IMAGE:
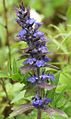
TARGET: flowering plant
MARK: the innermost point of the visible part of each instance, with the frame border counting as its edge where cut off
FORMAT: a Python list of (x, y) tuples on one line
[(37, 59)]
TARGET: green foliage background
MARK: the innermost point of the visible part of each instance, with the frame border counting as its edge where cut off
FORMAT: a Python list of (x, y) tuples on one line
[(57, 28)]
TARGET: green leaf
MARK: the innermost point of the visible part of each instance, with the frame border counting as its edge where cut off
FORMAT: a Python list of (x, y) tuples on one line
[(65, 79), (1, 117), (48, 10), (29, 88), (67, 108), (57, 3), (14, 67), (61, 102), (4, 75), (69, 14), (35, 4), (16, 76), (18, 96)]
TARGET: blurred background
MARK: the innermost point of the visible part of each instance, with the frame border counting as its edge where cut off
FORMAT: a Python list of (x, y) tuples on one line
[(56, 18)]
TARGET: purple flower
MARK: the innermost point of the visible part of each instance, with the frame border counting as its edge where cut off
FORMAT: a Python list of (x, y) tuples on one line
[(43, 38), (32, 79), (44, 76), (36, 52), (47, 76), (46, 59), (40, 63), (38, 34), (43, 49), (46, 100), (30, 21), (21, 33), (37, 25), (30, 61), (51, 76), (39, 102), (39, 43)]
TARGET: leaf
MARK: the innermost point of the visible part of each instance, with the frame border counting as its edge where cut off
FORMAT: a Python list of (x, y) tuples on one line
[(68, 14), (29, 88), (4, 75), (26, 68), (52, 93), (25, 50), (51, 66), (52, 111), (67, 108), (35, 4), (59, 3), (16, 76), (65, 79), (14, 67), (1, 117), (18, 97), (46, 85), (23, 56), (18, 86), (21, 109), (61, 102)]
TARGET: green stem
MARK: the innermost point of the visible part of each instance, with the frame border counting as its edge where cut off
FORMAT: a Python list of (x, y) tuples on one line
[(7, 32), (4, 88), (6, 22)]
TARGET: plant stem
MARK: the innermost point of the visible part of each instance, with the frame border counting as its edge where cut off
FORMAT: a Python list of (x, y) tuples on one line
[(38, 74), (4, 88), (39, 93), (39, 114), (6, 22), (7, 32)]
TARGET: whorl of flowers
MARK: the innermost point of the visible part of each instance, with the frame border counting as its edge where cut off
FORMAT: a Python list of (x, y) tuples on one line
[(36, 52)]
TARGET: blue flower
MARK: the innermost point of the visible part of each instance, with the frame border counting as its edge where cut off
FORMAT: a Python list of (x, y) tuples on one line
[(47, 76), (38, 34), (37, 25), (37, 102), (46, 100), (46, 59), (43, 49), (43, 76), (43, 38), (36, 52), (30, 21), (40, 63), (51, 76), (33, 79), (30, 61), (18, 21), (21, 33)]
